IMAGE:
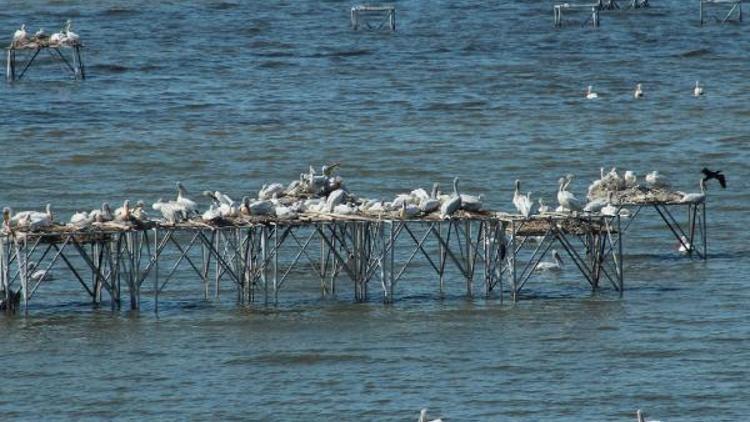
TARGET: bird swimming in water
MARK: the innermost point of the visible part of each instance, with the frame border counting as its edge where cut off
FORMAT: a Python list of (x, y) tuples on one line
[(423, 417), (638, 91), (590, 94), (555, 265), (708, 175), (698, 90)]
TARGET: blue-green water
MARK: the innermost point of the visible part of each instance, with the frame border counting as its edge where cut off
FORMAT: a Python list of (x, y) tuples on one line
[(231, 95)]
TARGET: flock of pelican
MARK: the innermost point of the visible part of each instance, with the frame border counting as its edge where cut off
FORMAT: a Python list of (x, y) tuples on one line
[(638, 93), (64, 37), (324, 193)]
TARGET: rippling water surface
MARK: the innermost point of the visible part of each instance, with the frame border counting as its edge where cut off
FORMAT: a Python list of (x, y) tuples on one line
[(230, 95)]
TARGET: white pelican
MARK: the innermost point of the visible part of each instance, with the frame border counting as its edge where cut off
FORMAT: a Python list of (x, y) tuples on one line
[(630, 179), (542, 208), (171, 211), (81, 219), (419, 195), (423, 417), (590, 94), (522, 202), (555, 265), (42, 275), (684, 246), (267, 192), (430, 204), (656, 180), (327, 170), (189, 206), (71, 38), (404, 198), (698, 90), (695, 198), (139, 212), (596, 204), (33, 219), (609, 210), (451, 205), (640, 418), (212, 213), (40, 33), (408, 211), (123, 213), (638, 91), (262, 208), (282, 211), (335, 198), (566, 199), (20, 36)]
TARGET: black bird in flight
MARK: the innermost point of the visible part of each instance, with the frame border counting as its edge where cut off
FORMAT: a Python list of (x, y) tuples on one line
[(708, 175)]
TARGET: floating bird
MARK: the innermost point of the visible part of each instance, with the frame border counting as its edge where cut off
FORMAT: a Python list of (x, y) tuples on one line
[(555, 265), (708, 175), (522, 202), (656, 180), (20, 36), (423, 417), (640, 418), (42, 275), (590, 94), (638, 91), (451, 205), (695, 198), (566, 199), (698, 90), (683, 245)]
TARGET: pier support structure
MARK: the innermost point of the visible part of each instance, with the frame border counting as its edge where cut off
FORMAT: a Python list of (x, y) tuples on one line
[(735, 10), (74, 63), (385, 16)]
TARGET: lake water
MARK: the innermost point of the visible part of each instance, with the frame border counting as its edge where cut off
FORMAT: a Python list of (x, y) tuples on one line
[(230, 95)]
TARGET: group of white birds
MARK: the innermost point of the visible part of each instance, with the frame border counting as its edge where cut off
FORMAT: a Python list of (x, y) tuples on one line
[(64, 37), (312, 193), (606, 194), (638, 92), (324, 192)]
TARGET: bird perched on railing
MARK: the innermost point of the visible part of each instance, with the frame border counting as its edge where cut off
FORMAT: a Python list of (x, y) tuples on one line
[(708, 175)]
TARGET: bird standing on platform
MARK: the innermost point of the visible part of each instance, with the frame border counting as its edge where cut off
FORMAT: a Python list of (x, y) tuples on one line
[(695, 198), (566, 199), (630, 179), (189, 206), (656, 180), (590, 94), (71, 38), (522, 202), (452, 204), (698, 90), (638, 92), (542, 208), (708, 175), (20, 36)]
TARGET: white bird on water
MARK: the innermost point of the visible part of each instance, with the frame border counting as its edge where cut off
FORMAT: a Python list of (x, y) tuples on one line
[(698, 90), (522, 202), (640, 418), (638, 91), (452, 204), (590, 94), (684, 246), (555, 265), (423, 417)]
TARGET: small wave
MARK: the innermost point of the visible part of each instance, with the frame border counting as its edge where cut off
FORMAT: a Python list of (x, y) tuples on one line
[(109, 68), (223, 5), (273, 64), (118, 11), (302, 359), (345, 53), (696, 53), (466, 105)]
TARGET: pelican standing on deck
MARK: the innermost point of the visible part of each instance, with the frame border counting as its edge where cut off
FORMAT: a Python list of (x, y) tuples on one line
[(522, 202), (566, 199), (182, 200), (695, 198), (20, 36), (451, 205)]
